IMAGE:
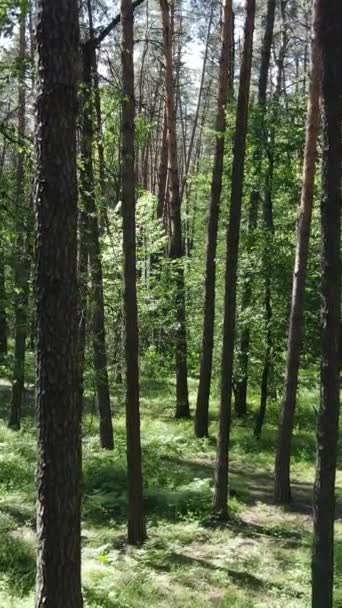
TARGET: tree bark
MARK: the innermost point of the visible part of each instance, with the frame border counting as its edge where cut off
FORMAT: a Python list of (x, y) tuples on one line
[(233, 235), (244, 340), (58, 413), (176, 252), (202, 406), (282, 489), (136, 524), (329, 33), (95, 263)]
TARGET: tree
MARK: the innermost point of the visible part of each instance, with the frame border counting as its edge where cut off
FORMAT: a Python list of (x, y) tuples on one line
[(176, 249), (261, 137), (22, 261), (282, 489), (58, 412), (91, 233), (329, 34), (233, 234), (202, 406), (136, 524)]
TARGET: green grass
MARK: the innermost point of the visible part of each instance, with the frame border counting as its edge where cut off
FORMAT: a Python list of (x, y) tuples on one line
[(261, 559)]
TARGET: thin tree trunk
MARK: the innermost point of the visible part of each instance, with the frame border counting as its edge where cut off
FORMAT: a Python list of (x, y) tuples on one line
[(202, 406), (58, 413), (22, 263), (282, 489), (267, 271), (175, 225), (244, 341), (162, 172), (329, 26), (3, 312), (199, 100), (136, 524), (95, 263), (233, 235)]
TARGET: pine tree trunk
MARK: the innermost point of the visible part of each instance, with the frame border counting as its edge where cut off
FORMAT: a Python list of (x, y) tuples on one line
[(3, 315), (202, 406), (162, 172), (58, 414), (244, 341), (136, 524), (175, 225), (233, 235), (282, 489), (22, 263), (95, 262), (329, 26)]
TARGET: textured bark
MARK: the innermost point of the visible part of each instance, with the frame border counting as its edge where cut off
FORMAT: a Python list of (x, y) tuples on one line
[(174, 223), (202, 406), (58, 414), (282, 490), (244, 341), (22, 262), (95, 262), (329, 27), (136, 524), (233, 235)]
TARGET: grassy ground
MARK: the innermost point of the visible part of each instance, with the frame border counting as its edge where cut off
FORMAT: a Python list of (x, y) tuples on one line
[(260, 560)]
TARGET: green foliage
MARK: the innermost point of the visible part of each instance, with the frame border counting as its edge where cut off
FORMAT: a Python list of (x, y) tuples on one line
[(261, 558)]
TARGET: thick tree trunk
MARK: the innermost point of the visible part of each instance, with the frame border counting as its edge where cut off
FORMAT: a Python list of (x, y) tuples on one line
[(136, 524), (329, 31), (22, 263), (233, 235), (202, 406), (175, 224), (95, 263), (58, 414), (244, 341), (282, 490)]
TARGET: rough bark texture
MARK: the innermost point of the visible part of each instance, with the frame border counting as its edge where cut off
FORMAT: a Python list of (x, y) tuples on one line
[(202, 406), (244, 341), (58, 414), (22, 264), (282, 490), (329, 33), (233, 234), (175, 224), (136, 524), (95, 262)]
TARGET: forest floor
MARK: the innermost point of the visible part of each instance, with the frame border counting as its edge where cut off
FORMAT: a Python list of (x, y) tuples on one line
[(261, 559)]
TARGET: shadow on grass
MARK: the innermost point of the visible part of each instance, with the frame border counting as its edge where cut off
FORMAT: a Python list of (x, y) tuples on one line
[(17, 562)]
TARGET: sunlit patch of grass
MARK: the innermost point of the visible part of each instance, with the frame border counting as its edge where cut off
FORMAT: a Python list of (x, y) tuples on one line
[(260, 559)]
